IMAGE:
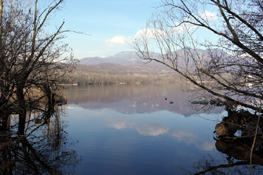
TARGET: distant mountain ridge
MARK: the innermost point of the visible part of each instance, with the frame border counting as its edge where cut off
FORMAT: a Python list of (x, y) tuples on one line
[(131, 57), (123, 58)]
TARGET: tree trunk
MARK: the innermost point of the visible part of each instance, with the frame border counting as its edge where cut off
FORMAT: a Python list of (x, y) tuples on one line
[(226, 129), (5, 122), (22, 122), (21, 110)]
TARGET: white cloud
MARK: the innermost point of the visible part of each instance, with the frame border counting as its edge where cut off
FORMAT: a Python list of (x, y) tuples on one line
[(119, 40), (149, 33), (180, 29), (206, 15), (152, 130)]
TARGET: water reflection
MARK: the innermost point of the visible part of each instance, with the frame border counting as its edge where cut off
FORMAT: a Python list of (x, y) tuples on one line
[(236, 140), (46, 148), (137, 99), (135, 130), (121, 124), (184, 136), (231, 166), (152, 129)]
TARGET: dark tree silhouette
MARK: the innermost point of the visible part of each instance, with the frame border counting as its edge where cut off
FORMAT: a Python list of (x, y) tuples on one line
[(32, 66), (46, 149)]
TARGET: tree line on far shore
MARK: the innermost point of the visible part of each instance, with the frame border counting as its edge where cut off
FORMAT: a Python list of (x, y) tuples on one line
[(101, 75)]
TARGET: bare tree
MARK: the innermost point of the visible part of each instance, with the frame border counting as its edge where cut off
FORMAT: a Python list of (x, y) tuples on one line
[(31, 56), (230, 69)]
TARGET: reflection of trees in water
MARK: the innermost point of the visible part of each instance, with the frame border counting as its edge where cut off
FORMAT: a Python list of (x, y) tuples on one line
[(136, 99), (242, 127), (242, 151), (44, 149), (212, 166), (237, 160), (117, 93)]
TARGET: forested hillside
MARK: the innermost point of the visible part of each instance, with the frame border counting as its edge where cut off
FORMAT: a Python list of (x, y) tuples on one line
[(108, 73), (126, 68)]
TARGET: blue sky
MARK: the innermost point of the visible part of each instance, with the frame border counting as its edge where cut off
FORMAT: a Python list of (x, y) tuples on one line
[(109, 23)]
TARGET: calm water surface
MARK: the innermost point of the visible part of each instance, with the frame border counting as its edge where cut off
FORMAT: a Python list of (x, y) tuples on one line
[(134, 130)]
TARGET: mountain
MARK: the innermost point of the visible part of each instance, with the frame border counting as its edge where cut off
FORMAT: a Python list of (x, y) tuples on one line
[(131, 58), (123, 58)]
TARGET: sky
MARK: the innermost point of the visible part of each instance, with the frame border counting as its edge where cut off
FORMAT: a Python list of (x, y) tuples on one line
[(109, 24)]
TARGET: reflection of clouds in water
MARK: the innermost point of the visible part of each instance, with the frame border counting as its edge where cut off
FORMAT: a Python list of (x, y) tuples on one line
[(184, 136), (152, 129), (121, 125), (156, 130), (208, 146)]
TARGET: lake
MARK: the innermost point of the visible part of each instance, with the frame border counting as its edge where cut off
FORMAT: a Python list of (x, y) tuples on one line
[(131, 130), (145, 130)]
